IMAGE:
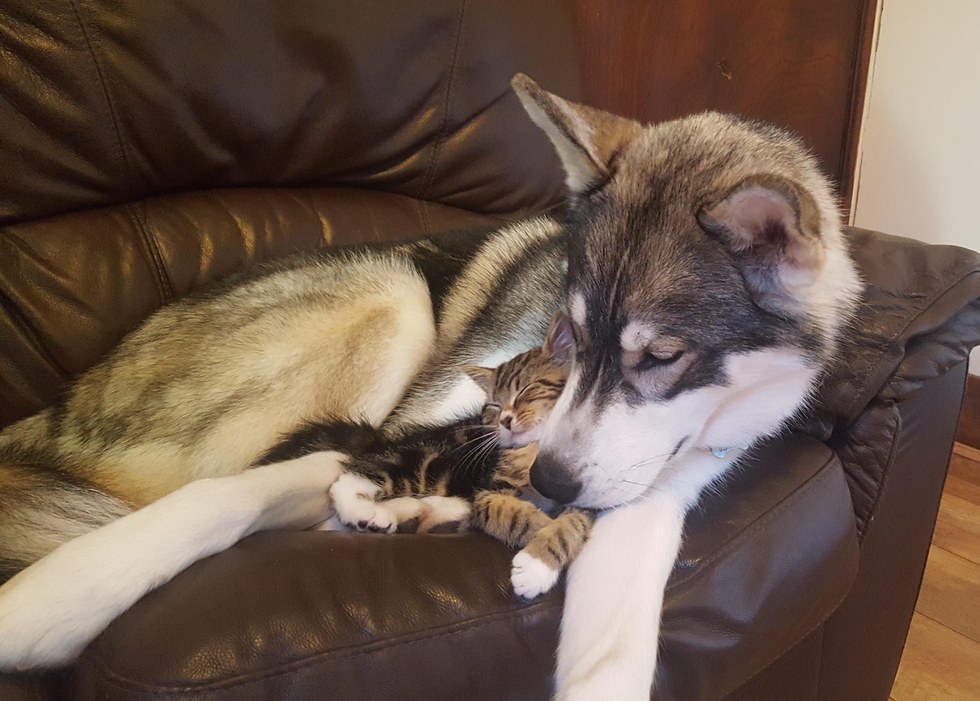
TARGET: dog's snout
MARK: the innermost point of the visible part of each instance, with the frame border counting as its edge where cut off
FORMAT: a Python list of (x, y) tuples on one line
[(552, 480)]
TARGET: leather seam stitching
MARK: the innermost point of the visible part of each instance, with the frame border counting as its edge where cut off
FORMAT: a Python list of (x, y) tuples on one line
[(106, 94), (152, 251), (443, 132)]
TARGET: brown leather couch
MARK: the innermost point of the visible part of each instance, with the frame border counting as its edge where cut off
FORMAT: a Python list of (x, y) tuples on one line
[(147, 148)]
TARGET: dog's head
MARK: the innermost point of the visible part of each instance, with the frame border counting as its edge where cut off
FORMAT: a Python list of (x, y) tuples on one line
[(708, 284)]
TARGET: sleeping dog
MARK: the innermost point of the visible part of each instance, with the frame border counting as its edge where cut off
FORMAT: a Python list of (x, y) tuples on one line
[(706, 280)]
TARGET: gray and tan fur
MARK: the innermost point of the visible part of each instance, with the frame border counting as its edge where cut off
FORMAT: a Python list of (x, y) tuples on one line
[(708, 283), (188, 394)]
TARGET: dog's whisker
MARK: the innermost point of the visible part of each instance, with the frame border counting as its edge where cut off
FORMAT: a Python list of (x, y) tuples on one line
[(642, 495), (643, 463)]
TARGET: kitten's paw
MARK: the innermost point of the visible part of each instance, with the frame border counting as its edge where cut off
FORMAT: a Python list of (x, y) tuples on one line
[(375, 518), (372, 517), (444, 514), (408, 512), (530, 576), (353, 501)]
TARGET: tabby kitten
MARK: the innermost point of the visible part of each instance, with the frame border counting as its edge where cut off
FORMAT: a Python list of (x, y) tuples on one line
[(471, 473)]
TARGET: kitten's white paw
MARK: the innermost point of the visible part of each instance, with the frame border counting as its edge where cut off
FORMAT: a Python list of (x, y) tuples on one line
[(353, 501), (531, 577), (444, 514), (370, 516)]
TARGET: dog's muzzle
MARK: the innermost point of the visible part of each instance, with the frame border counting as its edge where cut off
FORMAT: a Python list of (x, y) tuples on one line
[(553, 481)]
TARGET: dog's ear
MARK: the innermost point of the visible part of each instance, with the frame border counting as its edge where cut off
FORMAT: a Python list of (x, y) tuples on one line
[(558, 341), (586, 139), (772, 226)]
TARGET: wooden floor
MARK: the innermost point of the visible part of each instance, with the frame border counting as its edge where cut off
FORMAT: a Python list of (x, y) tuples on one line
[(942, 654)]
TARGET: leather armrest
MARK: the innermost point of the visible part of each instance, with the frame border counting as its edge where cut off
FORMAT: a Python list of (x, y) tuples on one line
[(327, 615), (768, 556)]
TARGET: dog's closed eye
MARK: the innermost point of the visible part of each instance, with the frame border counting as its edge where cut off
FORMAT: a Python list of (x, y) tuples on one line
[(657, 359), (653, 370)]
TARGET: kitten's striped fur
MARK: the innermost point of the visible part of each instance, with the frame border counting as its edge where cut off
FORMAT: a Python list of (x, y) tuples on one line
[(484, 459)]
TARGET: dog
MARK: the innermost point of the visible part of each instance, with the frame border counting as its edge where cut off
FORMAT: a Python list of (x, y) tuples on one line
[(707, 283), (709, 287)]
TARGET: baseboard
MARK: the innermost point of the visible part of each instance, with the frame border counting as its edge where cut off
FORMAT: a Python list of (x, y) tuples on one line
[(968, 431)]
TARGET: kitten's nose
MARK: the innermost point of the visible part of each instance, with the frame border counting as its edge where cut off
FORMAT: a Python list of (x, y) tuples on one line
[(506, 420), (552, 480)]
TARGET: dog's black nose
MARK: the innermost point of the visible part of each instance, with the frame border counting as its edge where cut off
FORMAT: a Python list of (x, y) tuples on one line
[(552, 480)]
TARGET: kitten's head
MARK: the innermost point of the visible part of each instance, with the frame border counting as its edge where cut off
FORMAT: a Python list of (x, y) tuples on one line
[(522, 391)]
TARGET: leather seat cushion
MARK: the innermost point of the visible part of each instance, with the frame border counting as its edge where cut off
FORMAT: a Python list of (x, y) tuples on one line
[(333, 615)]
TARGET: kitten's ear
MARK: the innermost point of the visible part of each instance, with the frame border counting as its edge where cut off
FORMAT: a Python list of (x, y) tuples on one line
[(772, 226), (483, 377), (558, 342), (585, 138)]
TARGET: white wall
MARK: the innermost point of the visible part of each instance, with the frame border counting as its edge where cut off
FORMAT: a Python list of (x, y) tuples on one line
[(919, 172)]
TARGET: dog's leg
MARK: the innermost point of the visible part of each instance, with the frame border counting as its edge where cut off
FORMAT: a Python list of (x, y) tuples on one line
[(54, 608), (611, 622)]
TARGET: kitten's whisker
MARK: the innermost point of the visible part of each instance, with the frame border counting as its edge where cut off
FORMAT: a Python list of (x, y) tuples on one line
[(463, 460), (490, 432), (472, 441), (485, 452), (471, 457)]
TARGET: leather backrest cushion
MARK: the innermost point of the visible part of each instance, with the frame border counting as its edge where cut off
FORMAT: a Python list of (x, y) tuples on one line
[(71, 286), (107, 101), (334, 122)]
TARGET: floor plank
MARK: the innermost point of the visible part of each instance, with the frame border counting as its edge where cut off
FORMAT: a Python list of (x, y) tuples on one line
[(949, 593), (938, 664), (941, 659), (958, 523), (968, 430), (964, 479), (968, 452)]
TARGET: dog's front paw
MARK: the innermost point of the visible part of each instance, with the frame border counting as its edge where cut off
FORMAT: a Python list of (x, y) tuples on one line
[(530, 576)]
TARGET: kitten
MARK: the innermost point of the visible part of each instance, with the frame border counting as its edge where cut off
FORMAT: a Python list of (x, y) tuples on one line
[(470, 473)]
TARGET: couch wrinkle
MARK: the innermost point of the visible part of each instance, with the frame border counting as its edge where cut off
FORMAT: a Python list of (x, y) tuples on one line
[(896, 342), (345, 652), (693, 571), (866, 451)]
